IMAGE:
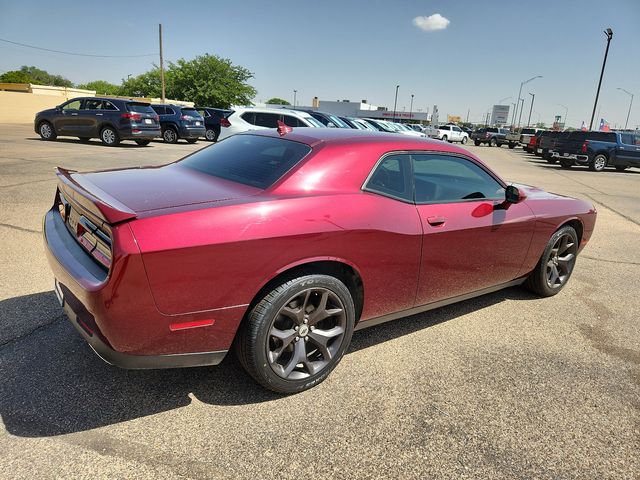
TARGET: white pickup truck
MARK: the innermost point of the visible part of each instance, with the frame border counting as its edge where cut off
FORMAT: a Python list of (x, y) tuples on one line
[(521, 137), (450, 133)]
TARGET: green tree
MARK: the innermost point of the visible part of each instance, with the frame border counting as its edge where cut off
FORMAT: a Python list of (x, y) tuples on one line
[(145, 85), (15, 76), (277, 101), (102, 87), (42, 77), (209, 80)]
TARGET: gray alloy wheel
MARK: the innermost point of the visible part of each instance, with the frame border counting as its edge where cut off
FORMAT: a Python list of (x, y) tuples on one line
[(296, 334), (109, 137), (493, 142), (46, 131), (598, 163), (210, 135), (170, 135), (464, 140), (556, 264)]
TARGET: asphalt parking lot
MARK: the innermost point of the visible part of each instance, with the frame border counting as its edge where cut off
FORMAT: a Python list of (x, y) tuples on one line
[(503, 386)]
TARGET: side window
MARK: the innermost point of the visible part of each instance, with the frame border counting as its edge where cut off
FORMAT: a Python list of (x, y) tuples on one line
[(457, 129), (249, 117), (92, 105), (204, 113), (444, 127), (159, 110), (269, 120), (445, 179), (391, 177), (74, 105), (627, 138), (108, 106), (292, 121), (169, 111)]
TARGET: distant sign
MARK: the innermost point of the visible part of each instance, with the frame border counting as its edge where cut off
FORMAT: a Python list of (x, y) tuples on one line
[(434, 116), (453, 118), (500, 114)]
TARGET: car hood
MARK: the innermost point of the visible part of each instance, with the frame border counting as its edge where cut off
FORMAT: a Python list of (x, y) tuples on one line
[(153, 188)]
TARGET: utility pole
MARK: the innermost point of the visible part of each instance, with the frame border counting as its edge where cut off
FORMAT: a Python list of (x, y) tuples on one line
[(521, 107), (411, 108), (630, 103), (295, 96), (395, 103), (609, 33), (533, 97), (162, 98), (468, 112)]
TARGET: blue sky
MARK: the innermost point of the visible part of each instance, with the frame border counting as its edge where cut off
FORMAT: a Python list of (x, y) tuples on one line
[(358, 49)]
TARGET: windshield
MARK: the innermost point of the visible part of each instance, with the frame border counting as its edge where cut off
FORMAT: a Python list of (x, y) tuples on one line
[(337, 122), (140, 108), (191, 112), (248, 159), (313, 122)]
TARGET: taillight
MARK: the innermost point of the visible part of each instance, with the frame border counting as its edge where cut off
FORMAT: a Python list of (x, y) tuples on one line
[(487, 135), (63, 207), (584, 146), (94, 241), (224, 122), (132, 116), (187, 117), (156, 117)]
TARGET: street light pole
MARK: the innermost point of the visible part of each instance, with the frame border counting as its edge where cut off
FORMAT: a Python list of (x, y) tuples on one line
[(411, 108), (630, 103), (609, 33), (521, 107), (533, 97), (295, 97), (566, 114), (395, 103), (518, 101)]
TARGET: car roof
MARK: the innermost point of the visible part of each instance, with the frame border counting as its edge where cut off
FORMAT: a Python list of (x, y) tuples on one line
[(271, 110)]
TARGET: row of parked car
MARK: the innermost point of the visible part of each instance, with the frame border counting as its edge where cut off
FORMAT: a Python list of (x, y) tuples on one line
[(595, 149), (113, 120)]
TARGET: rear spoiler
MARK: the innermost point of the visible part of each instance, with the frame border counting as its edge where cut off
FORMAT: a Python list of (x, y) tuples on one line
[(76, 187)]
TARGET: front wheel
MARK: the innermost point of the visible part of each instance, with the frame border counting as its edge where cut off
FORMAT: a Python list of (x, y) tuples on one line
[(297, 333), (210, 135), (556, 264), (46, 131), (444, 138), (598, 163), (493, 142), (109, 137), (464, 140), (476, 143)]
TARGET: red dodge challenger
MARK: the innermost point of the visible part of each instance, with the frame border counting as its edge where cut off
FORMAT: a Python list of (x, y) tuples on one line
[(282, 243)]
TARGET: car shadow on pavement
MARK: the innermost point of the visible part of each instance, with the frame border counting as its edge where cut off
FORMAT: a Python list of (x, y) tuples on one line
[(92, 142), (53, 384)]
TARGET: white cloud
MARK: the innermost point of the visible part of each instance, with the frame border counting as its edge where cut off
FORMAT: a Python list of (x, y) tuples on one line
[(432, 22)]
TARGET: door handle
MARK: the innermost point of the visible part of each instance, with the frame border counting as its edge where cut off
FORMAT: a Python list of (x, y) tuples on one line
[(99, 114), (436, 221), (74, 114)]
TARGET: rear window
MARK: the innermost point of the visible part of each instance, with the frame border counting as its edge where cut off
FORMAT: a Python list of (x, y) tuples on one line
[(492, 130), (528, 131), (190, 111), (140, 108), (248, 159)]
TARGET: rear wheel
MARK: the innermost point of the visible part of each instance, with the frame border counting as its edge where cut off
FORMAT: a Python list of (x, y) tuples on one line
[(493, 142), (621, 168), (564, 163), (170, 135), (476, 143), (109, 137), (297, 333), (143, 143), (210, 135), (556, 264), (598, 163), (46, 131), (444, 138), (512, 145)]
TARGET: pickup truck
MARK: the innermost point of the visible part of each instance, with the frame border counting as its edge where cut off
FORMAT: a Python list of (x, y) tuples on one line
[(492, 136), (547, 142), (521, 137), (451, 133), (599, 150)]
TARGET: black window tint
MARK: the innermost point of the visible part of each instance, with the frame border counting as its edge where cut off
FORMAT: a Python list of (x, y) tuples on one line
[(249, 117), (441, 179), (143, 108), (248, 159), (192, 112), (626, 138), (390, 177), (159, 110), (292, 121), (92, 104), (108, 106), (74, 105), (269, 120)]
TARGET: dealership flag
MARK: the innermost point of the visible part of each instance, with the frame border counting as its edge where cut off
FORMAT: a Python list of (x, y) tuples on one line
[(604, 126), (583, 127)]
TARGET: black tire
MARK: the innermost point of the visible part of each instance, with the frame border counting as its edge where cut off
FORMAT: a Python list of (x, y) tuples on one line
[(598, 163), (109, 137), (539, 281), (259, 351), (512, 145), (551, 160), (84, 139), (621, 168), (191, 140), (210, 135), (476, 143), (143, 143), (46, 131), (170, 135), (564, 163), (464, 140), (493, 142), (444, 138)]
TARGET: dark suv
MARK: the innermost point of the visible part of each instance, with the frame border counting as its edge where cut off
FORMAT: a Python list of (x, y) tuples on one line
[(109, 119), (327, 119), (213, 119), (180, 122)]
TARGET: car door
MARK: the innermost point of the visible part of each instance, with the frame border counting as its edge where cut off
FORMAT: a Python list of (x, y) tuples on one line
[(629, 150), (89, 116), (472, 239), (457, 131), (66, 123)]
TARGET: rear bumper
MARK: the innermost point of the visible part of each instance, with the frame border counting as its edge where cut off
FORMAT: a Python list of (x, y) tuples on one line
[(191, 132), (570, 156), (141, 134)]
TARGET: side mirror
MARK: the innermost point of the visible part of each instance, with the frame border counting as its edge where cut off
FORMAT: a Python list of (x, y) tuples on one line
[(512, 194), (58, 108)]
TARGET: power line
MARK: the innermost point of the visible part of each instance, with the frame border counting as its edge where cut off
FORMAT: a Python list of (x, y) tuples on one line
[(77, 54)]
